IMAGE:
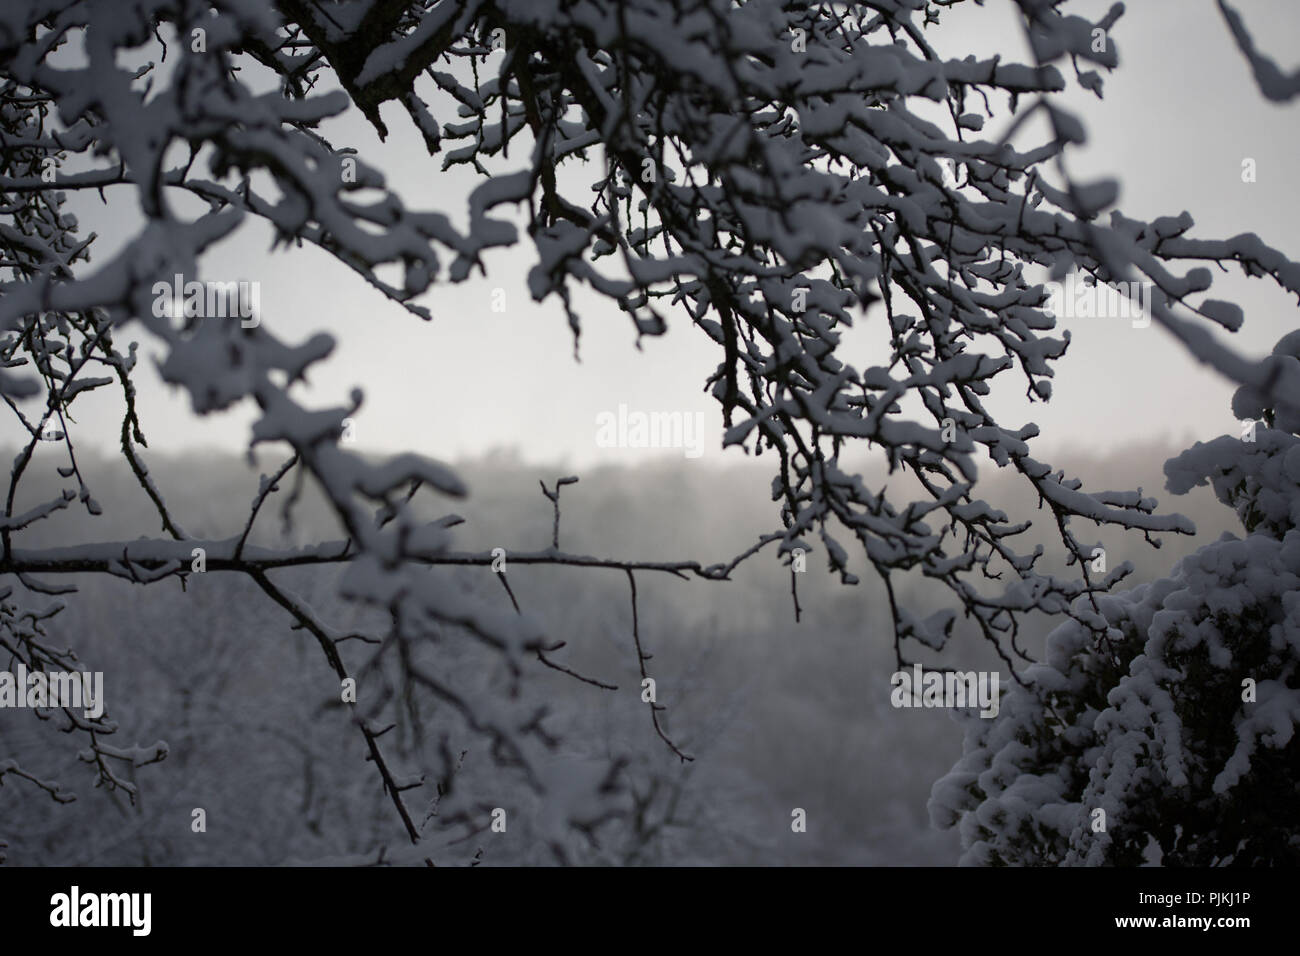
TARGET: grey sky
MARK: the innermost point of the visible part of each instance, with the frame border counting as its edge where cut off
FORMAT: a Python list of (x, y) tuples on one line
[(1178, 118)]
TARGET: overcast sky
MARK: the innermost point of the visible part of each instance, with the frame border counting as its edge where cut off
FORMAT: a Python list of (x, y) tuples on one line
[(1179, 116)]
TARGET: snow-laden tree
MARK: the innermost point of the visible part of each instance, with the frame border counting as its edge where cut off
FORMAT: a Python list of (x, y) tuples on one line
[(1173, 736), (770, 172)]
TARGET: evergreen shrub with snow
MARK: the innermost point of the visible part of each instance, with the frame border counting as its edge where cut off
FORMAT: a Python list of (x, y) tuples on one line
[(1179, 723)]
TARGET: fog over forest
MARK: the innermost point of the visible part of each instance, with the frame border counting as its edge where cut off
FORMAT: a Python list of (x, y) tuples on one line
[(777, 714)]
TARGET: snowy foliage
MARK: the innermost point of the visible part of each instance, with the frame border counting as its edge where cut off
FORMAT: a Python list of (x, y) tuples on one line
[(773, 172), (1180, 722)]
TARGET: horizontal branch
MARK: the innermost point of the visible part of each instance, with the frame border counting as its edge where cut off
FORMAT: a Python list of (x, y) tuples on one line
[(121, 557)]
